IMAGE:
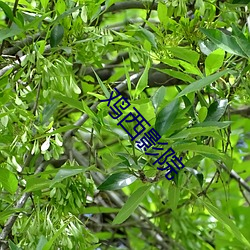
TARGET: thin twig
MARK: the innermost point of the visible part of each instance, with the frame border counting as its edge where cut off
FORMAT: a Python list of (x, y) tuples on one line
[(15, 7), (148, 14), (244, 195), (204, 192)]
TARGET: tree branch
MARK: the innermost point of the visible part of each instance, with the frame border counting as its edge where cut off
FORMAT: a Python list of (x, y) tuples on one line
[(21, 44), (236, 177), (243, 111), (16, 63)]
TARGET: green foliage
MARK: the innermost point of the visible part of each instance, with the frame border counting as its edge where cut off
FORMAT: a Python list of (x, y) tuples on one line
[(216, 110), (117, 181), (132, 203), (197, 85), (56, 35), (8, 180), (166, 117)]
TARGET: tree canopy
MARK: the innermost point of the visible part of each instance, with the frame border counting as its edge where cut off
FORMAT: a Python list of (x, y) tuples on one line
[(73, 171)]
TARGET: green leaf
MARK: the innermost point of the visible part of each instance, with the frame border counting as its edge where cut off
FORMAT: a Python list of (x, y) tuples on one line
[(49, 244), (193, 132), (36, 21), (88, 111), (241, 40), (223, 41), (132, 203), (127, 77), (202, 100), (207, 46), (8, 180), (68, 12), (9, 32), (197, 85), (117, 181), (189, 68), (104, 89), (41, 243), (198, 175), (7, 10), (177, 74), (158, 97), (108, 3), (9, 211), (56, 131), (194, 161), (173, 196), (44, 3), (216, 110), (13, 246), (107, 236), (219, 125), (188, 105), (19, 20), (162, 12), (214, 61), (98, 210), (34, 183), (147, 35), (70, 101), (174, 63), (244, 45), (211, 153), (166, 117), (66, 172), (49, 110), (206, 151), (56, 35), (238, 33), (186, 54), (202, 114), (227, 223), (60, 7), (143, 81)]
